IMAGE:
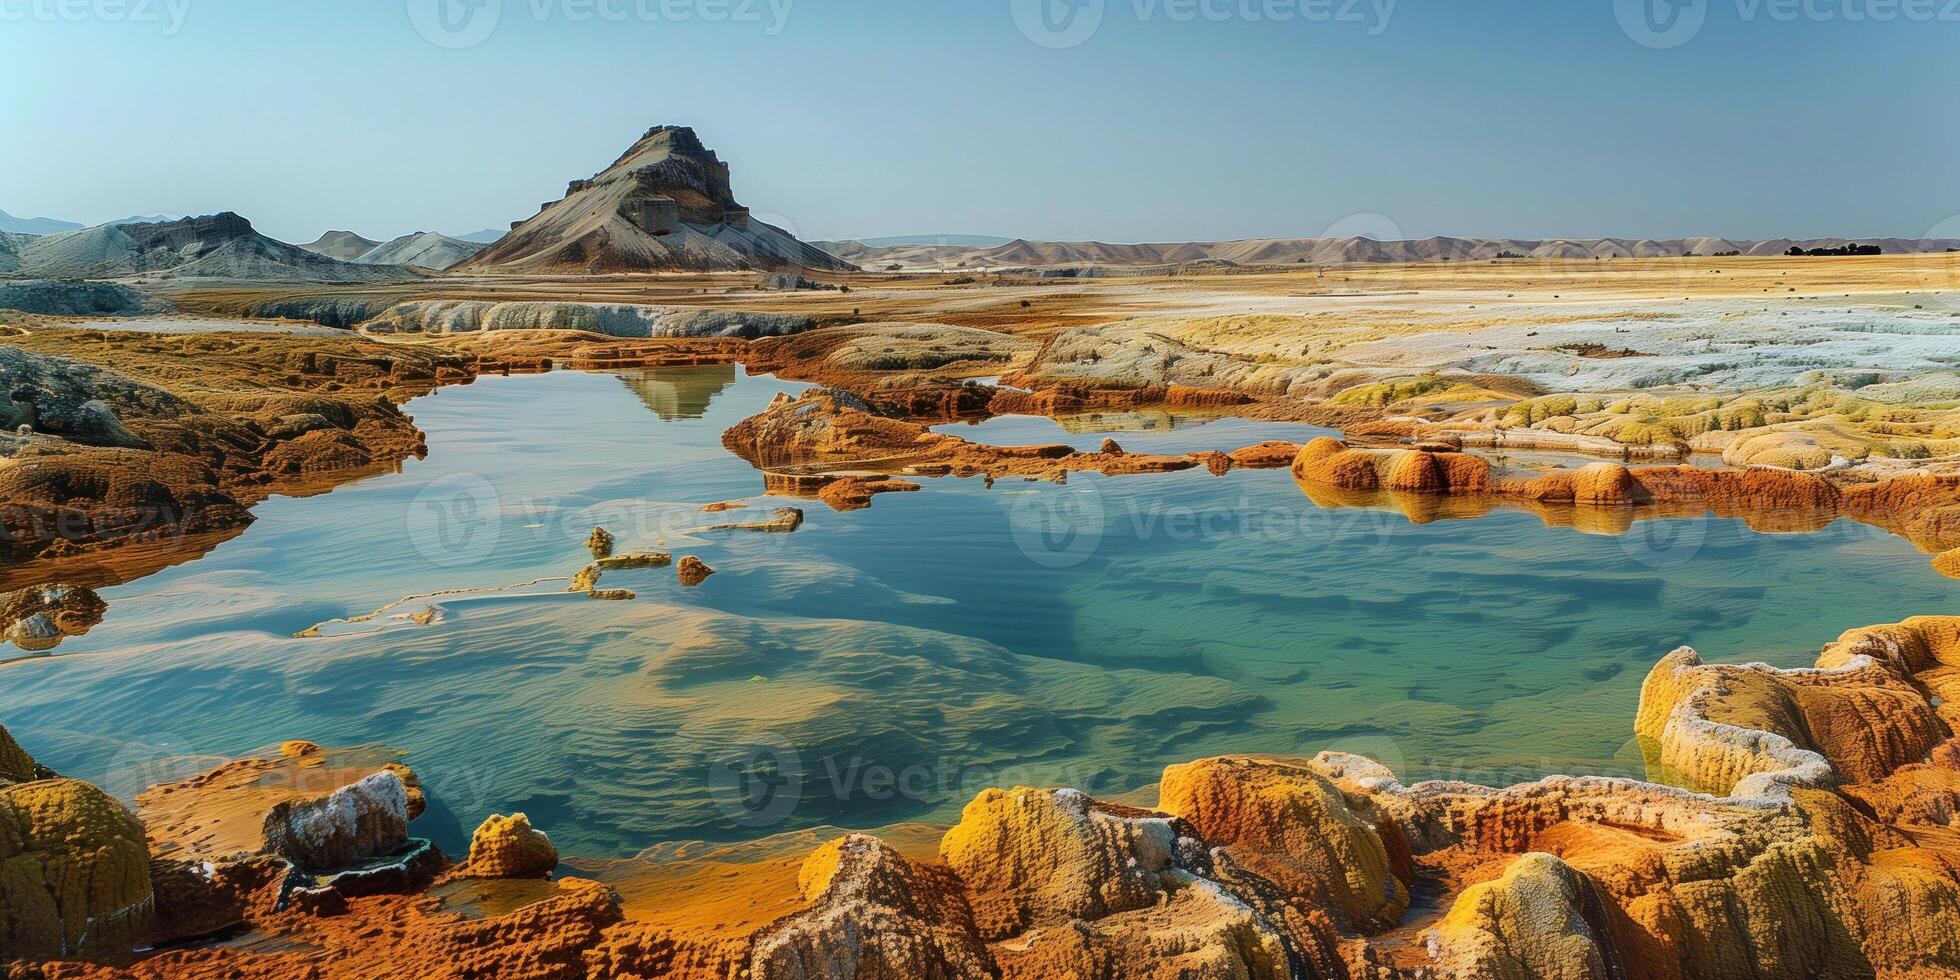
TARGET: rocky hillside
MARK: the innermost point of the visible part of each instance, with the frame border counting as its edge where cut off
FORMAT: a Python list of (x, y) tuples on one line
[(343, 245), (220, 246), (664, 205), (423, 249)]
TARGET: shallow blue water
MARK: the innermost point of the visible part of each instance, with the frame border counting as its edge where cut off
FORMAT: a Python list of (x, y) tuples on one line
[(884, 665)]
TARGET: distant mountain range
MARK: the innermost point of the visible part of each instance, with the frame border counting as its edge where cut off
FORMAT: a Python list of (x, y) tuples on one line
[(34, 226), (422, 249), (220, 246), (55, 226), (964, 241), (1021, 253)]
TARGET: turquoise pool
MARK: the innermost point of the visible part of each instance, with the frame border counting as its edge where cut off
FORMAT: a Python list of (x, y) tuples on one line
[(884, 665)]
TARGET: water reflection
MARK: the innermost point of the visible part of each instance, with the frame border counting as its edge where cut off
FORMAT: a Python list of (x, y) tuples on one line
[(675, 393), (1141, 430)]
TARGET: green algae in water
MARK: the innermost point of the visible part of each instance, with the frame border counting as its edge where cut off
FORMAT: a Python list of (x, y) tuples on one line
[(885, 665)]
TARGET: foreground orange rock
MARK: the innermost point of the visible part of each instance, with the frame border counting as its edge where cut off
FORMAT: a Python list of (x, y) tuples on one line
[(1800, 823), (74, 873), (509, 847)]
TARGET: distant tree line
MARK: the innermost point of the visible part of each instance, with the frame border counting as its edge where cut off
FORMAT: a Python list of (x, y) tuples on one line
[(1852, 248)]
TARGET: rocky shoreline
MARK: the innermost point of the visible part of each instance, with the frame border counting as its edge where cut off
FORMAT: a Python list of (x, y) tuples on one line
[(1798, 827), (109, 463)]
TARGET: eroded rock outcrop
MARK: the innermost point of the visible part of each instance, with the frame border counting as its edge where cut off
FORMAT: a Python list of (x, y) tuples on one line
[(827, 437), (873, 915), (216, 423), (509, 847), (1923, 507), (1540, 918), (1034, 858), (74, 873), (693, 571), (352, 824), (1295, 828), (600, 543)]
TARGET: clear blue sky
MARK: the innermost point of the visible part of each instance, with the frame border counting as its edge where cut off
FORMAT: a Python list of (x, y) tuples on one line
[(881, 117)]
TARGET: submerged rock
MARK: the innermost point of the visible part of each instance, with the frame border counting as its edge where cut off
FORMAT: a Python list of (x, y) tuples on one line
[(855, 493), (782, 520), (694, 571), (637, 560), (600, 543)]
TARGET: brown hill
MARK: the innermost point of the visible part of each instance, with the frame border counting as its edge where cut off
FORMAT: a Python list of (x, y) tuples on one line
[(665, 204), (343, 245)]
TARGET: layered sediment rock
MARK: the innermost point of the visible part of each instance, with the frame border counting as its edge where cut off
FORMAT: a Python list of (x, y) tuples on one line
[(1923, 507), (624, 320), (215, 424), (804, 444), (1293, 827), (1540, 918), (872, 914)]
